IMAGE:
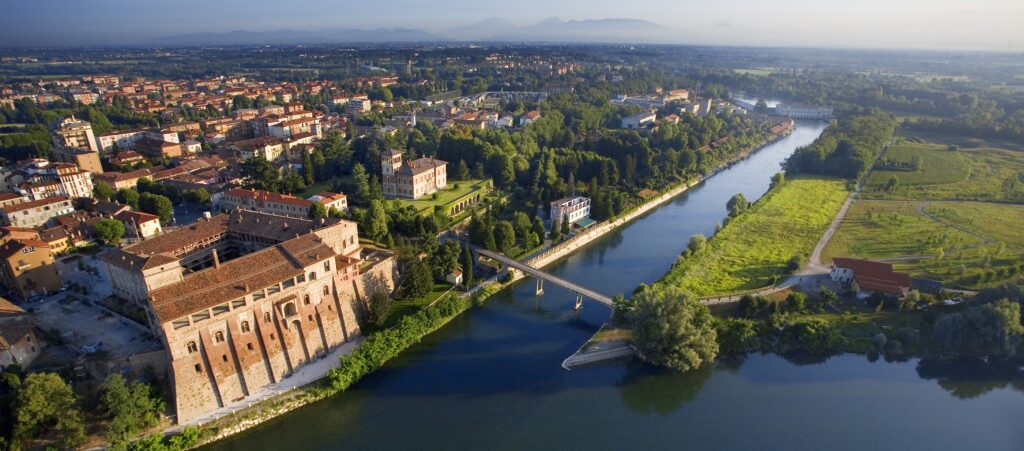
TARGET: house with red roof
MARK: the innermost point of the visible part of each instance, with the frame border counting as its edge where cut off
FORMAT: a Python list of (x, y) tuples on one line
[(870, 276)]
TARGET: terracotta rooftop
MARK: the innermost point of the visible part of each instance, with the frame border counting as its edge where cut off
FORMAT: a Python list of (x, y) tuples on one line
[(421, 165), (34, 204), (171, 246), (875, 276), (238, 277)]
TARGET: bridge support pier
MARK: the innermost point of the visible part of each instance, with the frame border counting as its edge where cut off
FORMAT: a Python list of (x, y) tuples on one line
[(540, 286), (579, 301)]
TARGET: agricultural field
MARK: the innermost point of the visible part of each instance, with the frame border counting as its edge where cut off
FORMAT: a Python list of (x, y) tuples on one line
[(965, 244), (938, 173), (754, 248)]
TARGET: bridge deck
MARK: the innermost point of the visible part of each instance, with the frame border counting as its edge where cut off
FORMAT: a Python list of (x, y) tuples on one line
[(586, 292)]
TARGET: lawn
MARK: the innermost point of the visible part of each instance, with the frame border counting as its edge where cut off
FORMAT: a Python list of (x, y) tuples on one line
[(403, 307), (965, 142), (449, 196), (975, 174), (965, 244), (753, 249)]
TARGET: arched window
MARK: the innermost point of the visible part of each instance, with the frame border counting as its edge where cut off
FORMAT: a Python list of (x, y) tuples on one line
[(191, 346), (218, 337), (327, 290), (245, 326), (305, 299), (289, 309), (312, 276), (266, 317)]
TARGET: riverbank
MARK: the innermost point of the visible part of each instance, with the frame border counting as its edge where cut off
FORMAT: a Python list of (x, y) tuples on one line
[(409, 332)]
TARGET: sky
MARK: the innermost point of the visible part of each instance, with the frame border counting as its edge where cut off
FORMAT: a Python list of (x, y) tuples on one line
[(916, 24)]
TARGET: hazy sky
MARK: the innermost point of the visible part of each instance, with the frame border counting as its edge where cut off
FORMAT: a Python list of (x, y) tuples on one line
[(961, 24)]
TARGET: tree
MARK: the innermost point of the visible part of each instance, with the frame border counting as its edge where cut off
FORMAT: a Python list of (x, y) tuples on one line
[(523, 227), (128, 197), (672, 329), (777, 179), (378, 300), (565, 225), (462, 171), (198, 196), (556, 234), (360, 184), (467, 266), (45, 403), (158, 205), (376, 221), (504, 236), (892, 183), (131, 409), (737, 204), (989, 330), (110, 231), (538, 227), (317, 210), (261, 174), (796, 302), (445, 259), (697, 242), (417, 281), (102, 191)]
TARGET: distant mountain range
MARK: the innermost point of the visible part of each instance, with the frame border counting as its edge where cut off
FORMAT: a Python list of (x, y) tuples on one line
[(548, 30)]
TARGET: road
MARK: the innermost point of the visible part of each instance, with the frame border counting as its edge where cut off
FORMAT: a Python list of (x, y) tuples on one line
[(814, 264)]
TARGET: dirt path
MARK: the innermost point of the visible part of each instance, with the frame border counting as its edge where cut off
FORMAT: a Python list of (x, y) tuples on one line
[(814, 264)]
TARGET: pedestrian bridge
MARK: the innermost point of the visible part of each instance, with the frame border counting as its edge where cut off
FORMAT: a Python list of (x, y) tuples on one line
[(541, 276)]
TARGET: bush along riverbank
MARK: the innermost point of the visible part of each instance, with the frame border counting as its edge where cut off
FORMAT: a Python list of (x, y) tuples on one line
[(816, 326)]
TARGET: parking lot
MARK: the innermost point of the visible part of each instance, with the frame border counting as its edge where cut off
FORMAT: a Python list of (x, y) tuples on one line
[(76, 316)]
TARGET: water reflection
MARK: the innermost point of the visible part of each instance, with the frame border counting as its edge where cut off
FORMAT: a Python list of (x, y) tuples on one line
[(971, 378), (648, 390)]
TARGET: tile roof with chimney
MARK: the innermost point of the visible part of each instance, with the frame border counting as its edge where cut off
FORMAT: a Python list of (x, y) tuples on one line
[(875, 276)]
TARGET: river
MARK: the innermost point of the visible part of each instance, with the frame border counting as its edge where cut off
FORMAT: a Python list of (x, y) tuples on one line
[(491, 379)]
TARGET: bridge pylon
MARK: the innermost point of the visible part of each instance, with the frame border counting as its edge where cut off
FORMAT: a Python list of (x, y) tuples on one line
[(579, 301), (540, 286)]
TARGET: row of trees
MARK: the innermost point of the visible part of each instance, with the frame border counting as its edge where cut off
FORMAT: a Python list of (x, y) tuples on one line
[(42, 409), (846, 148)]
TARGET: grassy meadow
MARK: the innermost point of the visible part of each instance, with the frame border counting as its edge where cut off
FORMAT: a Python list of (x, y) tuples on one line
[(943, 174), (966, 244), (755, 247)]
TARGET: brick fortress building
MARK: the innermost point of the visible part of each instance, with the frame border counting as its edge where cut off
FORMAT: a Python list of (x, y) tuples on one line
[(243, 299)]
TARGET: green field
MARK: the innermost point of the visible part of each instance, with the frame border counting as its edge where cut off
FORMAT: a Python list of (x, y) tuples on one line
[(943, 174), (965, 142), (755, 247), (957, 243)]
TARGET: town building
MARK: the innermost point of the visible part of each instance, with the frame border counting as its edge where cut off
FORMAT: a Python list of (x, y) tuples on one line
[(870, 276), (139, 225), (87, 160), (265, 202), (575, 208), (638, 121), (529, 117), (19, 344), (337, 201), (412, 180), (35, 212), (245, 299), (27, 268), (71, 132), (37, 179)]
